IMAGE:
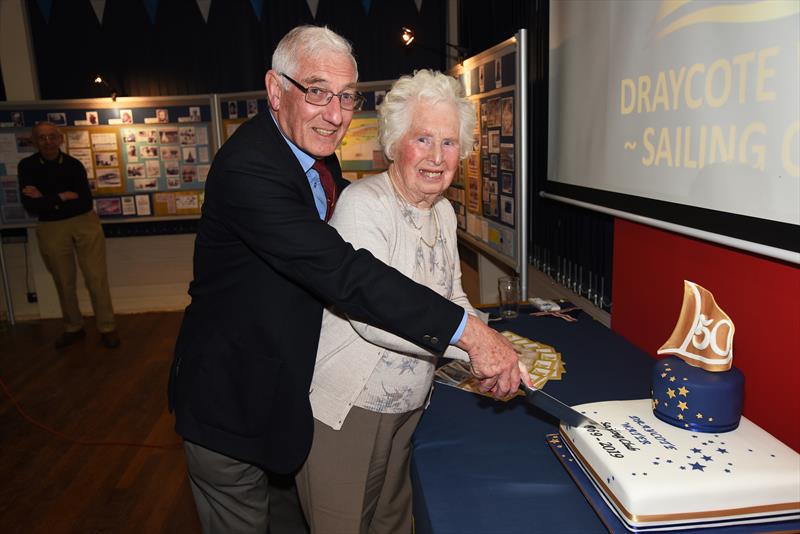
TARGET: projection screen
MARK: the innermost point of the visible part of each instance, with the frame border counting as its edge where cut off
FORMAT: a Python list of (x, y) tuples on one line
[(682, 111)]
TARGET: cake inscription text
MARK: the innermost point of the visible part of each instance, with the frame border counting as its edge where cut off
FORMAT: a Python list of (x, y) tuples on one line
[(653, 433)]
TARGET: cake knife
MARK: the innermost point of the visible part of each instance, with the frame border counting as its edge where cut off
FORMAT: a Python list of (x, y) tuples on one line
[(556, 408)]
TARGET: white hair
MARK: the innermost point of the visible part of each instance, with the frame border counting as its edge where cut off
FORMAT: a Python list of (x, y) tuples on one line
[(308, 42), (432, 87)]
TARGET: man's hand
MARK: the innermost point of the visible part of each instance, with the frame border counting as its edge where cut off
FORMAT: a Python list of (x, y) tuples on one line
[(31, 191), (68, 195), (494, 361)]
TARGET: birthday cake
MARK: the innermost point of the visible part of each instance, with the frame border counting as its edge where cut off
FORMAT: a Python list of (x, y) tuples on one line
[(686, 457), (655, 476)]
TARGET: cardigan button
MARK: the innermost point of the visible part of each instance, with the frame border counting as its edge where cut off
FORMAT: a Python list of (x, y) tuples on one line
[(435, 340)]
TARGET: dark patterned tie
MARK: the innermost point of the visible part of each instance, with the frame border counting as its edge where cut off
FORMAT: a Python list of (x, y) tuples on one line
[(328, 185)]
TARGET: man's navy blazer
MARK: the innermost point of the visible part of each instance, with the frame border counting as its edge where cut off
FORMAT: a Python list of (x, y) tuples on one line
[(264, 267)]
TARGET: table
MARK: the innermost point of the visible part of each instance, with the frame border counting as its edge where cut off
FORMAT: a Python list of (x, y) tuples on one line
[(482, 466)]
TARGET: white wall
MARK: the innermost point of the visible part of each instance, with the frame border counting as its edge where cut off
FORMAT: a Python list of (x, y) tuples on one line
[(149, 273)]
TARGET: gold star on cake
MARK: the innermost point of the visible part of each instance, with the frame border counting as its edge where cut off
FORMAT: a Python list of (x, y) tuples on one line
[(699, 415), (654, 403), (683, 391), (680, 416), (682, 405), (663, 375), (671, 393), (672, 379), (669, 368), (710, 419)]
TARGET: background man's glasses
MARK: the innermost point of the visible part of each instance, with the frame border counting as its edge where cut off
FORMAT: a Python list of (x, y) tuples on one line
[(49, 137), (322, 97)]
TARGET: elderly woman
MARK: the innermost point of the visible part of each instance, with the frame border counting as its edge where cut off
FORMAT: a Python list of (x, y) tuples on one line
[(369, 386)]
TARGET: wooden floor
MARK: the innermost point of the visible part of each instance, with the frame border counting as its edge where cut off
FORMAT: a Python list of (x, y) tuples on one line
[(88, 392)]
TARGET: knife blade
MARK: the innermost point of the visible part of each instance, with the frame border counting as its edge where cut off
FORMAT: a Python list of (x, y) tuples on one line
[(556, 408)]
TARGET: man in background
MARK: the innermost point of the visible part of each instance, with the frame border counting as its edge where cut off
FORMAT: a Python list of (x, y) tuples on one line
[(265, 264), (54, 187)]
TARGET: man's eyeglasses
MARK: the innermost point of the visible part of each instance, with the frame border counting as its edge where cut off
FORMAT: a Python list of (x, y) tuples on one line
[(49, 137), (322, 97)]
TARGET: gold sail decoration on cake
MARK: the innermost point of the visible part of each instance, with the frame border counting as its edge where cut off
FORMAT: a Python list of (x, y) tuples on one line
[(703, 336)]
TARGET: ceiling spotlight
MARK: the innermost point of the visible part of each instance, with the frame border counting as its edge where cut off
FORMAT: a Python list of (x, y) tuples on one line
[(408, 36), (100, 81)]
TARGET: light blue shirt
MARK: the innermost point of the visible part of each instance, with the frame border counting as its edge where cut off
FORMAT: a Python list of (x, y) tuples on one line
[(306, 161), (321, 202)]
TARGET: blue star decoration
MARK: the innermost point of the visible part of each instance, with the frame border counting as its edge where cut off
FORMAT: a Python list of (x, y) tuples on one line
[(722, 451), (707, 458), (683, 467), (727, 470), (696, 450), (697, 467)]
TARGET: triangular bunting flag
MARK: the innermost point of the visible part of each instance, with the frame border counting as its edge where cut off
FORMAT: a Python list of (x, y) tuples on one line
[(151, 6), (366, 4), (99, 7), (419, 5), (258, 7), (204, 6), (312, 6), (45, 6)]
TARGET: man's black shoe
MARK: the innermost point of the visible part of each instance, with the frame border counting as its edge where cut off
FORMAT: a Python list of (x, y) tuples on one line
[(110, 340), (68, 338)]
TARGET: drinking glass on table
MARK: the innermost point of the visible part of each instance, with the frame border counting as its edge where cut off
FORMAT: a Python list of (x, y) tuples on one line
[(508, 287)]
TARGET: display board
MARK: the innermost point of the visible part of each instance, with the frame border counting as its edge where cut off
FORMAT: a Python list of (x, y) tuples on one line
[(490, 191), (144, 157)]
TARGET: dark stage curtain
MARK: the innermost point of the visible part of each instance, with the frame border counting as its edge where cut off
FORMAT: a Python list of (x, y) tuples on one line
[(183, 54)]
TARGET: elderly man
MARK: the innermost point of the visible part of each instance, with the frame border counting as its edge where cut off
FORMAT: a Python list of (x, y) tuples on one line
[(265, 264), (55, 188)]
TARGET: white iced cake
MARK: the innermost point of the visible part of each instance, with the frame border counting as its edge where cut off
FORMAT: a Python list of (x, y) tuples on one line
[(654, 474)]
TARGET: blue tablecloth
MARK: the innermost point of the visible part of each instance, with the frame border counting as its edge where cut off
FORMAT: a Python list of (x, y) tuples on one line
[(482, 466)]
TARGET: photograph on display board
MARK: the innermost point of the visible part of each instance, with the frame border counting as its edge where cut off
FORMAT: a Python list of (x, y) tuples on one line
[(494, 141), (507, 182), (187, 135), (162, 116), (143, 205), (135, 170), (168, 136), (149, 151), (507, 116), (126, 116), (507, 210), (194, 114), (493, 113), (108, 207), (128, 206), (108, 178), (77, 138), (131, 153), (152, 168), (506, 156), (58, 118), (170, 152), (145, 184), (252, 108)]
